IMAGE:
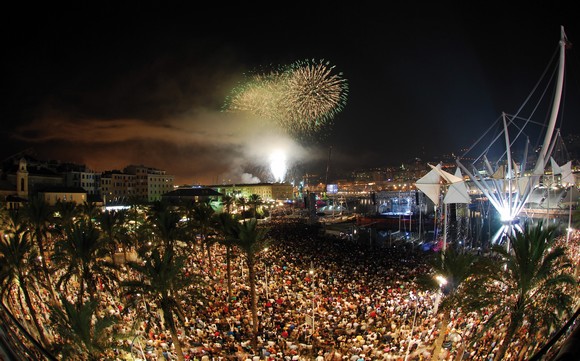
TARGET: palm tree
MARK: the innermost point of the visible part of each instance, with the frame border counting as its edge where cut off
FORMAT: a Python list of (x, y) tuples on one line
[(528, 283), (112, 224), (254, 200), (85, 336), (10, 221), (65, 213), (38, 216), (17, 260), (226, 224), (251, 239), (137, 228), (163, 282), (242, 201), (228, 201), (81, 254), (202, 216), (89, 210), (450, 270), (164, 223)]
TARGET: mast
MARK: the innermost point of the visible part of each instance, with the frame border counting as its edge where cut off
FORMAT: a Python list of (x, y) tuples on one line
[(327, 168), (542, 157), (509, 191), (419, 235), (509, 165)]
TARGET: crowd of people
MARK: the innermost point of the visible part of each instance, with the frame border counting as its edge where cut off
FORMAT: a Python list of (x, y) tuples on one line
[(319, 298)]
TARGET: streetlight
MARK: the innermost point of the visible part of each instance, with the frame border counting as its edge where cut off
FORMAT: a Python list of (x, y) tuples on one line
[(569, 231), (313, 304), (266, 263), (411, 298), (442, 282)]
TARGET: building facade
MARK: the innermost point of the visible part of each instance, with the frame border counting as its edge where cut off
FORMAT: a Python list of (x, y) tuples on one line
[(54, 195), (157, 185), (150, 183), (266, 191), (88, 180), (117, 186)]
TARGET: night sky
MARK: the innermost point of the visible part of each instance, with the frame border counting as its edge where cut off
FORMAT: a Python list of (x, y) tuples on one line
[(111, 85)]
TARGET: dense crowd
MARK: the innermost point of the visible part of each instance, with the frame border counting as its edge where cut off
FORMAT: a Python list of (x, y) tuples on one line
[(322, 298), (319, 298)]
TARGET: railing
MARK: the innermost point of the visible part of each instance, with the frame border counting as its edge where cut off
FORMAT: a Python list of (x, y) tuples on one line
[(569, 349), (16, 343)]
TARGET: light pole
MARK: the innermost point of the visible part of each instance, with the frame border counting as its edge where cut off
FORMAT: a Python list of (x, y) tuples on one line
[(266, 263), (313, 306), (267, 286), (442, 282), (140, 348), (411, 298), (313, 296)]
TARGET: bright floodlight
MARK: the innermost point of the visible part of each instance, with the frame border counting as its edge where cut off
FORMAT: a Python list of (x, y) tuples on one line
[(506, 214), (442, 280), (278, 165)]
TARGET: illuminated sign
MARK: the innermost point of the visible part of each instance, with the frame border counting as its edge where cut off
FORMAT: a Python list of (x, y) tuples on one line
[(332, 188)]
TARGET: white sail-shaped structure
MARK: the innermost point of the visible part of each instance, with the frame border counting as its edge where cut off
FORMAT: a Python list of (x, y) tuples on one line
[(567, 179), (430, 184), (435, 182), (507, 182), (457, 191)]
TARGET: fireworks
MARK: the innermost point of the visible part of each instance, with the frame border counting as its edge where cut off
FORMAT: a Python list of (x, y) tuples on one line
[(278, 166), (258, 95), (302, 98), (313, 95)]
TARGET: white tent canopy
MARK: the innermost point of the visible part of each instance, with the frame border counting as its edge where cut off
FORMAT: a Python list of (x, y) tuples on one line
[(431, 184), (457, 192)]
